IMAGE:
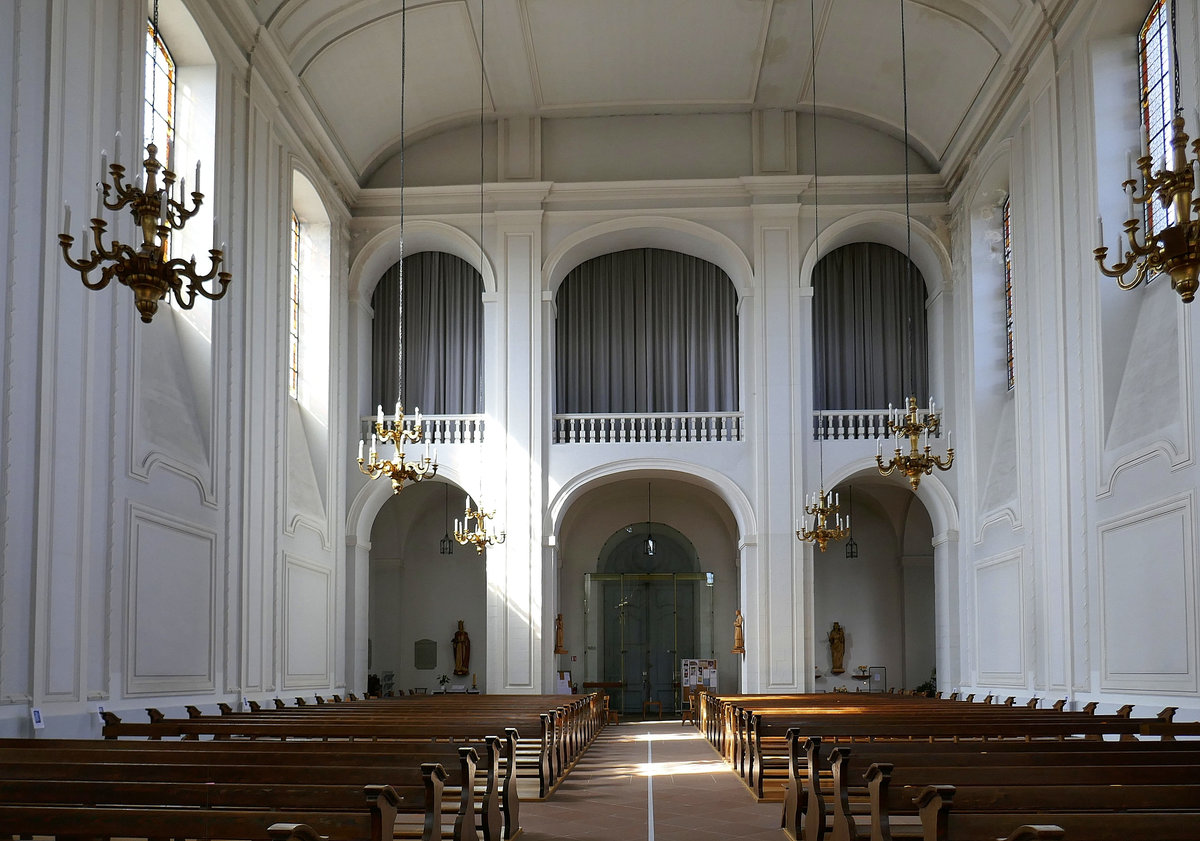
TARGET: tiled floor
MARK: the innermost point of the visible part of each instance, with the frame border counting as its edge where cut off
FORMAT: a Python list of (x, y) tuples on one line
[(607, 795)]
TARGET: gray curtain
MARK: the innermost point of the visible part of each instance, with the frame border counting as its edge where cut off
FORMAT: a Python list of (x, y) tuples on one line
[(869, 337), (443, 335), (646, 330)]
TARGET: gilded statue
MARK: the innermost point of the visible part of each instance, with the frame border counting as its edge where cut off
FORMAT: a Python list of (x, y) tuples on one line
[(739, 633), (559, 647), (837, 647), (462, 650)]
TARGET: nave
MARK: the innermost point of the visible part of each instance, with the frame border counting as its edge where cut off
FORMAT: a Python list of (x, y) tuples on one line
[(654, 780)]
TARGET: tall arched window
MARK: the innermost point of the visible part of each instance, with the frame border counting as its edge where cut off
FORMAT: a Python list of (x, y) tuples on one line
[(869, 336), (1157, 77), (1006, 221), (442, 325), (179, 117), (306, 360), (158, 123), (646, 330)]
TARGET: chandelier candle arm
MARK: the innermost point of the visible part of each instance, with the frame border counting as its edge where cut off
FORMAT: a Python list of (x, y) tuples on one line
[(146, 270), (397, 469), (823, 508), (1175, 249), (919, 460), (478, 536)]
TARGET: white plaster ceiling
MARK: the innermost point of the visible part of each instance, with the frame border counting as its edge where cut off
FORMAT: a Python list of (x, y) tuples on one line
[(598, 57)]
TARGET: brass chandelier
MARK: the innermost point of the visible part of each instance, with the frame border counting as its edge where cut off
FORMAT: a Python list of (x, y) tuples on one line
[(1175, 249), (477, 536), (822, 507), (919, 460), (394, 432), (827, 523), (157, 209), (397, 468)]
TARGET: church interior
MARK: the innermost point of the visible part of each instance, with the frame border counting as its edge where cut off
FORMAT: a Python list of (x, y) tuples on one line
[(653, 292)]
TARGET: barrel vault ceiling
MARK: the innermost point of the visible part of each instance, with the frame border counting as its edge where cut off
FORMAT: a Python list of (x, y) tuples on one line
[(557, 58)]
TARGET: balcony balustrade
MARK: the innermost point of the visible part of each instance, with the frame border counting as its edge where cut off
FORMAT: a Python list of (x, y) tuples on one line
[(844, 424), (438, 429), (647, 427)]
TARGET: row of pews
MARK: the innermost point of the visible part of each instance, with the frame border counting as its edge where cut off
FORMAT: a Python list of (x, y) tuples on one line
[(422, 767), (851, 767)]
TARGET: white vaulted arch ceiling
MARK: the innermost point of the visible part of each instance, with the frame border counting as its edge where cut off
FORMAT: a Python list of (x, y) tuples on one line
[(569, 58)]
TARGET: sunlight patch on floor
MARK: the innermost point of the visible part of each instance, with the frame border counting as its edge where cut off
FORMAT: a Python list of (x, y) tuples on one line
[(667, 769)]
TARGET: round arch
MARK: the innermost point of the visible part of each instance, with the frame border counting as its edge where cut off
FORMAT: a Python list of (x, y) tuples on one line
[(887, 228), (365, 506), (649, 232), (943, 515), (992, 185), (703, 477), (383, 250), (932, 492)]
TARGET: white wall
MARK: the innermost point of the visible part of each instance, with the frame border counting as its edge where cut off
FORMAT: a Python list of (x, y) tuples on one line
[(146, 556), (884, 598), (417, 593), (1084, 585), (171, 500)]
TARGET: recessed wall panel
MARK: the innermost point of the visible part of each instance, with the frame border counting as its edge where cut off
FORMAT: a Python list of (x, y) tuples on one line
[(170, 625), (307, 615), (1000, 628), (1148, 599)]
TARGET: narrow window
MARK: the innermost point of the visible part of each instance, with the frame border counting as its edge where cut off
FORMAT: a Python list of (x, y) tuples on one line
[(1008, 297), (294, 310), (1158, 98), (159, 122)]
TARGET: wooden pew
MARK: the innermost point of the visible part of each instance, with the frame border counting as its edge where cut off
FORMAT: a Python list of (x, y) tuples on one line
[(1091, 820), (563, 731), (66, 809), (892, 790), (405, 775), (486, 798), (817, 791)]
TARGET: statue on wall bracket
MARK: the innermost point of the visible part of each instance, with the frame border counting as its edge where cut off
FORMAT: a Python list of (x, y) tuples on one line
[(462, 650)]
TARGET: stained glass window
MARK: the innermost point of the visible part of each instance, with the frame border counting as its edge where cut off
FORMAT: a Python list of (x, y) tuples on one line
[(1008, 297), (294, 310), (1158, 98)]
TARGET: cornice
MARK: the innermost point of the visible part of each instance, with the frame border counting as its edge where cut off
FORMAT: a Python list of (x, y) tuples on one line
[(1036, 27), (926, 191), (259, 52)]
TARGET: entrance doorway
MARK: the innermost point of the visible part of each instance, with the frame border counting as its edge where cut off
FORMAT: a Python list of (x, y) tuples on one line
[(644, 612)]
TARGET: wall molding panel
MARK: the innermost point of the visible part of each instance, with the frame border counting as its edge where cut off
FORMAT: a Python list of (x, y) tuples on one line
[(306, 619), (171, 613), (1001, 626), (1147, 599)]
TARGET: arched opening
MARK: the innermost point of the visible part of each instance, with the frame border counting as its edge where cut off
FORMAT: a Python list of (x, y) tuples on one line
[(648, 607), (646, 330), (417, 595), (433, 304), (870, 342), (631, 615), (883, 599)]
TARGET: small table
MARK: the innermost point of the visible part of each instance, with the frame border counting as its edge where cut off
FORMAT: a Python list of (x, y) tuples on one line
[(646, 705)]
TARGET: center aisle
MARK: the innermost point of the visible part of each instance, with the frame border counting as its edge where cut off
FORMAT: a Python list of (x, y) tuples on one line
[(653, 780)]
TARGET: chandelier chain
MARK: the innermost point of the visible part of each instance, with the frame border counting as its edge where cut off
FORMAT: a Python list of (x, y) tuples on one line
[(153, 76), (1174, 250), (482, 71), (1175, 58), (403, 143), (911, 362), (907, 422)]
